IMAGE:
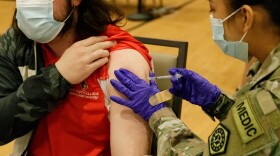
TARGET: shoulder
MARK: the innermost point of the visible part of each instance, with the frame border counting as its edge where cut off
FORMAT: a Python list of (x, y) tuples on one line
[(6, 39), (13, 47), (272, 85), (129, 59), (7, 43)]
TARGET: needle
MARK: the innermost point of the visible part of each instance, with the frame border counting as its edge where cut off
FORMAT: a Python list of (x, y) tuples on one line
[(165, 77)]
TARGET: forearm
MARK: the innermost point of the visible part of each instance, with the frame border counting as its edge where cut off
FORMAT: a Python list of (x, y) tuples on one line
[(174, 137), (20, 110), (130, 134)]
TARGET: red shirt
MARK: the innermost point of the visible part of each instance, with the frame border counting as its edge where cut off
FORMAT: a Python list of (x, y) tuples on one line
[(79, 126)]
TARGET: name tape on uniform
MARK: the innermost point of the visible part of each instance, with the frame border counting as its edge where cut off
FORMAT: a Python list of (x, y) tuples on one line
[(246, 122)]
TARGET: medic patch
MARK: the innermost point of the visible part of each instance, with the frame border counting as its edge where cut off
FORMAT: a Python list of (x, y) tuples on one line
[(218, 140), (246, 121)]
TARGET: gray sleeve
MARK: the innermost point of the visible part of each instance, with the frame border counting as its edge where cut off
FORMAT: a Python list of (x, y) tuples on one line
[(22, 104)]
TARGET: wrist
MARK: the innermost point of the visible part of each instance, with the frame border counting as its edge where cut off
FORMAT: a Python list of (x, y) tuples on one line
[(153, 110), (58, 82), (216, 95), (220, 108), (164, 112)]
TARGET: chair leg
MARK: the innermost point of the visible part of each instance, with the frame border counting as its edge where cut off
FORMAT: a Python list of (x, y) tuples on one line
[(160, 3)]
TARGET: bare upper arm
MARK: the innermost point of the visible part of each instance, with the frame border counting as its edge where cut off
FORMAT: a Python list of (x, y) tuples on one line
[(127, 129), (129, 59)]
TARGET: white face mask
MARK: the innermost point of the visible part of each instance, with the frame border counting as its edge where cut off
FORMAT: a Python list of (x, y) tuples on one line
[(237, 49), (35, 20)]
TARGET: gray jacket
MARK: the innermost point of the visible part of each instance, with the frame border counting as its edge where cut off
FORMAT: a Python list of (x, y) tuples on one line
[(28, 90)]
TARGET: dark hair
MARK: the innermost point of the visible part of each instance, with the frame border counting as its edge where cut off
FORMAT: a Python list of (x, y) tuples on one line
[(271, 6), (94, 16)]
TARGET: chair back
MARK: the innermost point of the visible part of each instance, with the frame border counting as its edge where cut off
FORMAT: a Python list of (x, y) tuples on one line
[(162, 62)]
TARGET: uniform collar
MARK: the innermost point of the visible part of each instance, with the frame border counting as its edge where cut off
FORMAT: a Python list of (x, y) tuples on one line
[(258, 71)]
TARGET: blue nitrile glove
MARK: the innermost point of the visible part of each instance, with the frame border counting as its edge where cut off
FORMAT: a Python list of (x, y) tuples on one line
[(138, 92), (193, 87)]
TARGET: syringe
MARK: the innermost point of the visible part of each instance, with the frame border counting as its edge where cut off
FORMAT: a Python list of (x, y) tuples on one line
[(165, 77)]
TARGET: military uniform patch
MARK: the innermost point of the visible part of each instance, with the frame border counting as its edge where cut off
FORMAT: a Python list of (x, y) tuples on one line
[(218, 140), (246, 121)]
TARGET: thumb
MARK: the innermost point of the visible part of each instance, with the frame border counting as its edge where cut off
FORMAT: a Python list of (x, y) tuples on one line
[(173, 71)]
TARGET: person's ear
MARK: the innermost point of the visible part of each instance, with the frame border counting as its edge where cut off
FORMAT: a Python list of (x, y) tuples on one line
[(75, 3), (248, 17)]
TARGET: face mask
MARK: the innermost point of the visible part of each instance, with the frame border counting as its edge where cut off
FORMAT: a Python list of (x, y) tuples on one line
[(35, 20), (237, 49)]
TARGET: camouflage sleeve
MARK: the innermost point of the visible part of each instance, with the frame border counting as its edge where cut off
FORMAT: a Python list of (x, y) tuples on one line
[(174, 137), (220, 108), (22, 104)]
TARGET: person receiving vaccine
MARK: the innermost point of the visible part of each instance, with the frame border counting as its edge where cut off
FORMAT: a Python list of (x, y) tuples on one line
[(55, 64), (249, 121)]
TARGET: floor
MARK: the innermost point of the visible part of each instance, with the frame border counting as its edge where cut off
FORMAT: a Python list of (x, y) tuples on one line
[(189, 21)]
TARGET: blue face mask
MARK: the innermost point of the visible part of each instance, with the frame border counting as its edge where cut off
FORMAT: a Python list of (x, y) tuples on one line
[(35, 20), (237, 49)]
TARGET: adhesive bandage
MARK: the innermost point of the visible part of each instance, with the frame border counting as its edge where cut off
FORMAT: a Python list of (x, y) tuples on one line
[(160, 97)]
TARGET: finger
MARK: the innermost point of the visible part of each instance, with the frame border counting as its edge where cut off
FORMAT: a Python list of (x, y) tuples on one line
[(173, 91), (176, 83), (97, 55), (131, 76), (152, 74), (153, 84), (121, 88), (124, 79), (120, 101), (152, 81), (184, 72), (90, 41), (173, 71), (97, 63), (101, 45)]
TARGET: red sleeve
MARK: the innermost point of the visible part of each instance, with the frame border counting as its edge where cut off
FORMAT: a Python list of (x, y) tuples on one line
[(126, 41)]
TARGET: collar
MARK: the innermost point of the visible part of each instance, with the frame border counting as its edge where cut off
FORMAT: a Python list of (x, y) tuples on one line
[(259, 71)]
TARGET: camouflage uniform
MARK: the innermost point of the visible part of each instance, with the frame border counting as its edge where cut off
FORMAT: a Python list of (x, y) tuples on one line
[(24, 101), (249, 123)]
